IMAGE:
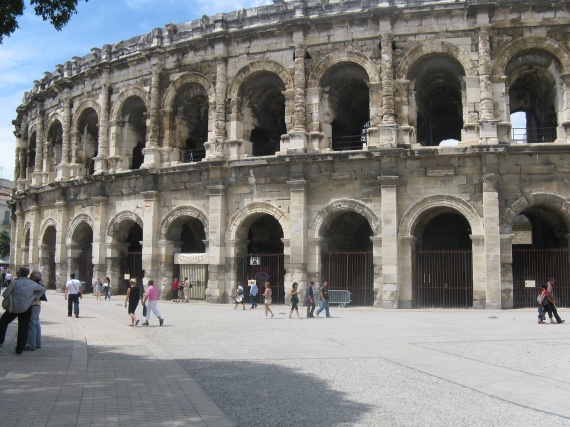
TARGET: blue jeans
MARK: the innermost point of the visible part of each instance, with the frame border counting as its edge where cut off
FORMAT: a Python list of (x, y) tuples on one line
[(252, 301), (324, 306), (72, 301), (35, 329), (107, 294)]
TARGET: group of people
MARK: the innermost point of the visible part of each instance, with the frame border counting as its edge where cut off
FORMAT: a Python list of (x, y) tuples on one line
[(547, 304), (294, 294), (102, 286), (181, 290), (5, 278), (149, 301), (22, 300)]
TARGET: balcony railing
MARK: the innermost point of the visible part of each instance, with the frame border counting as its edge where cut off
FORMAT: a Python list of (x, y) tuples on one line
[(538, 135), (352, 142), (190, 156)]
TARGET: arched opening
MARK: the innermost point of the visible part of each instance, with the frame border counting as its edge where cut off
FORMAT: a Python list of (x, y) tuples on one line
[(88, 140), (26, 248), (131, 258), (534, 86), (264, 261), (54, 148), (443, 268), (47, 262), (191, 122), (348, 97), (263, 112), (31, 156), (437, 82), (348, 261), (540, 251), (81, 259), (133, 132)]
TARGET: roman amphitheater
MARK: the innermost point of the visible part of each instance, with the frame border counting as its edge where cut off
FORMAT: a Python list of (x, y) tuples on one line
[(415, 153)]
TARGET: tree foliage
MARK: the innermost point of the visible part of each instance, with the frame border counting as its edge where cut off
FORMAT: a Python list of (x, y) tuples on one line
[(4, 243), (57, 12)]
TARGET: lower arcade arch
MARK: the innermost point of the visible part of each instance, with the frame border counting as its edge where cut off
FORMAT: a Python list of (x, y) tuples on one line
[(47, 257), (443, 261), (262, 256), (347, 260), (540, 250), (80, 255)]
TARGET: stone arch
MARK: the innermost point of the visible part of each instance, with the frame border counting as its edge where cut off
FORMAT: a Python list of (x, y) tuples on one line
[(54, 117), (255, 67), (50, 222), (126, 94), (192, 77), (181, 211), (344, 205), (549, 200), (76, 222), (342, 57), (114, 224), (238, 219), (84, 105), (434, 47), (519, 46), (414, 213)]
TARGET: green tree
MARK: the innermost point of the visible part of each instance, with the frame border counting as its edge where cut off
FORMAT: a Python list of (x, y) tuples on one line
[(58, 12), (4, 243)]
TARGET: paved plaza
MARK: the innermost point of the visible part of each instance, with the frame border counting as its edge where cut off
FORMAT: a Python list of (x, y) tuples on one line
[(211, 365)]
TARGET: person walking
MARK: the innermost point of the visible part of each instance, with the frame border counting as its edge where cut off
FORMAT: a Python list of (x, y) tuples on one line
[(324, 299), (239, 296), (294, 300), (551, 303), (133, 297), (267, 300), (151, 299), (187, 287), (253, 293), (310, 301), (175, 286), (35, 328), (23, 292), (97, 287), (73, 293), (107, 287)]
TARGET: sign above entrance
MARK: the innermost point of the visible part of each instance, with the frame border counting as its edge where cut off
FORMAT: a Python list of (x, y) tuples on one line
[(190, 259)]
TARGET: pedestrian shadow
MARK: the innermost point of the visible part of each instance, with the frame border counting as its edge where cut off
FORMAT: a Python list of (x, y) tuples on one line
[(254, 393)]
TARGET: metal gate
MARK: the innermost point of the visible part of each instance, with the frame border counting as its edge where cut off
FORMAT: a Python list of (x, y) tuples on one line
[(197, 275), (263, 268), (538, 265), (85, 271), (131, 265), (352, 271), (443, 278)]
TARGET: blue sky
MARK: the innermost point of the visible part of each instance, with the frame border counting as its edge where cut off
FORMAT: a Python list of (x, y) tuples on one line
[(37, 47)]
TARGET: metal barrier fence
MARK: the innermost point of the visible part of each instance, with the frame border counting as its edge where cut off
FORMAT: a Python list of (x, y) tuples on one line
[(340, 297)]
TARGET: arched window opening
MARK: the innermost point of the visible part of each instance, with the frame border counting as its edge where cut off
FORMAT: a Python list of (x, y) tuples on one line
[(263, 113), (48, 257), (265, 236), (437, 83), (348, 98), (192, 237), (191, 122), (534, 91), (54, 147), (88, 140), (31, 156), (81, 263), (134, 132)]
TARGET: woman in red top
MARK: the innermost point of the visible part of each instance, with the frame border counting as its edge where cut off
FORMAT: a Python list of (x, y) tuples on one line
[(543, 304), (175, 284)]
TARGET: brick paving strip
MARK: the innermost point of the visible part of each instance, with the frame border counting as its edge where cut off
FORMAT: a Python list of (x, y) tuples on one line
[(93, 372)]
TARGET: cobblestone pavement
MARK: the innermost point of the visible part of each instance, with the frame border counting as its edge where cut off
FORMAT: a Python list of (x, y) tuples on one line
[(211, 365)]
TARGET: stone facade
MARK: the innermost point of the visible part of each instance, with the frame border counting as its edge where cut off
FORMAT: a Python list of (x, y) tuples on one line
[(318, 118)]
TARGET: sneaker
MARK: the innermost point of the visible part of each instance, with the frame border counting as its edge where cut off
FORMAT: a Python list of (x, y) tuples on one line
[(272, 315), (145, 324), (76, 316), (540, 321), (561, 321), (161, 320)]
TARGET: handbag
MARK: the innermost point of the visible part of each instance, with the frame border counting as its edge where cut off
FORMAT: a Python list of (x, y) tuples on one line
[(144, 310), (7, 303)]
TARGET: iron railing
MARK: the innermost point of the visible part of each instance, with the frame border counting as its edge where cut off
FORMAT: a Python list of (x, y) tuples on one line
[(351, 271), (262, 268), (533, 135), (352, 142), (190, 156)]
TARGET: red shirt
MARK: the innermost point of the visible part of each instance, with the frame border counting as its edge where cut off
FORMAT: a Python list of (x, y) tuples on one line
[(175, 285)]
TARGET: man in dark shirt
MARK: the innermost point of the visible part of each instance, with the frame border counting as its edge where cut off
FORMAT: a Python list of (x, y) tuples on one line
[(310, 301), (324, 299)]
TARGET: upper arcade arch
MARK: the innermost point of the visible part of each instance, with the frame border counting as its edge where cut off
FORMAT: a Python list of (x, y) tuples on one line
[(335, 59), (77, 222), (257, 67), (189, 78), (119, 104), (119, 226), (333, 209), (240, 221), (82, 108), (50, 222)]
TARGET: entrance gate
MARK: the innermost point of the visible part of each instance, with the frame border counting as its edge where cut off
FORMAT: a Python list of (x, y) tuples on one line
[(443, 278), (538, 265), (263, 268), (85, 272), (131, 264), (352, 271)]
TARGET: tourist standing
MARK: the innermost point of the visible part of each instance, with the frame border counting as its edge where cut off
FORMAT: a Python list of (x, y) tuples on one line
[(35, 328), (97, 286), (73, 293), (107, 287), (175, 286), (267, 300), (239, 296), (133, 297), (23, 292), (324, 299), (310, 301), (294, 300), (253, 293), (151, 299)]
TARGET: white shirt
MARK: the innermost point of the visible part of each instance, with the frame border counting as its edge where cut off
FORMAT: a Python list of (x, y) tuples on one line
[(73, 286)]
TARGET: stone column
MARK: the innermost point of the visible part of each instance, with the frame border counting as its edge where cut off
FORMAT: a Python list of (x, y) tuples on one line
[(298, 217), (61, 246), (563, 135), (33, 259), (507, 300), (152, 150), (215, 147), (406, 266), (487, 122), (390, 258), (296, 140), (37, 178), (492, 241), (17, 238), (62, 170), (100, 219), (101, 165), (406, 132), (149, 250), (388, 127), (163, 280), (217, 287)]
